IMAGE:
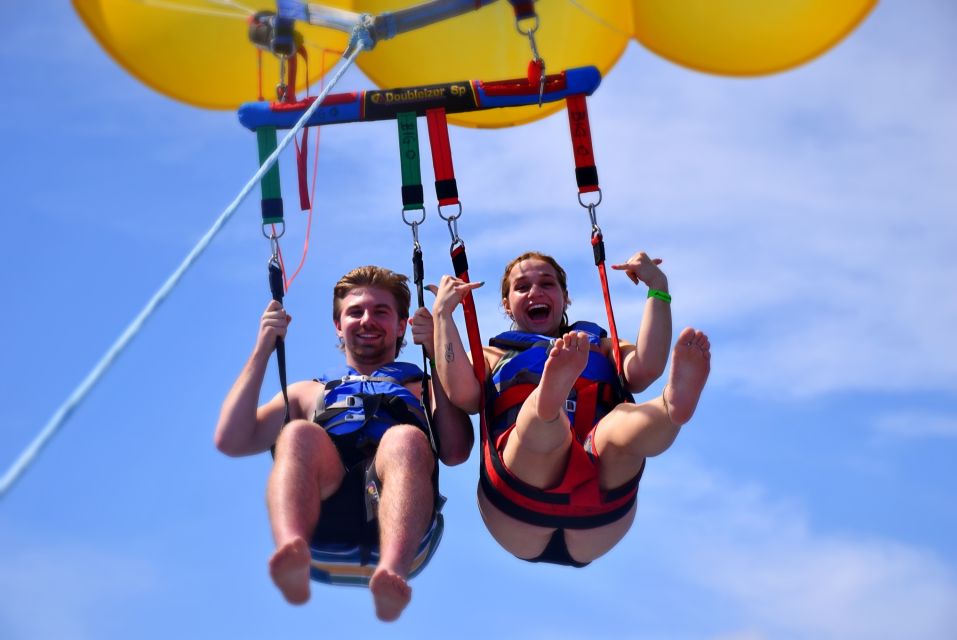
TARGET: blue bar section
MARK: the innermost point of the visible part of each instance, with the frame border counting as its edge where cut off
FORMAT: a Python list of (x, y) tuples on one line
[(455, 97)]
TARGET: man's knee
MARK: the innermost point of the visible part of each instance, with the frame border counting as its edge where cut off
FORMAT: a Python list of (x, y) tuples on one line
[(302, 433), (407, 445)]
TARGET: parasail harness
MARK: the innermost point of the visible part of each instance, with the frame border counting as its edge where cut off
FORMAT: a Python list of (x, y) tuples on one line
[(354, 564)]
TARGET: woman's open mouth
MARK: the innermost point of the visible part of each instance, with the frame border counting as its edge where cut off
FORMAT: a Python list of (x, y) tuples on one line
[(539, 312)]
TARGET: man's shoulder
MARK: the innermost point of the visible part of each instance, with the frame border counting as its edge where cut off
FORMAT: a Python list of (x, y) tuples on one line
[(304, 388)]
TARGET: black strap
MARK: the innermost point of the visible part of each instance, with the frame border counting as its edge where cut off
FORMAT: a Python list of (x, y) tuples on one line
[(277, 287)]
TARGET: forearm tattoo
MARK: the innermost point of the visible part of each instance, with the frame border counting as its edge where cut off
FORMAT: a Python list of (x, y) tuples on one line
[(449, 354)]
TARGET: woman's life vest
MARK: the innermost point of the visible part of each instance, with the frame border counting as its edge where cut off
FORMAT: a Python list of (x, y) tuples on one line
[(577, 502)]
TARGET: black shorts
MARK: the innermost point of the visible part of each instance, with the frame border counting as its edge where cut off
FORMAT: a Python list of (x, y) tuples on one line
[(349, 516), (556, 552)]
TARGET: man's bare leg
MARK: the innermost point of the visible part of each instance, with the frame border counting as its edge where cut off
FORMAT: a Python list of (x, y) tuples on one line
[(536, 450), (630, 433), (404, 463), (307, 470)]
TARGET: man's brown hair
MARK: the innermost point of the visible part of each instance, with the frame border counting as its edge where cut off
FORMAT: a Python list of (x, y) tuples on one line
[(381, 278)]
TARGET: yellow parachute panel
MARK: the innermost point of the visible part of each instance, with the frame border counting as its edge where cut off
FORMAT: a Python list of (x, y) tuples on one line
[(485, 45), (197, 51), (744, 37)]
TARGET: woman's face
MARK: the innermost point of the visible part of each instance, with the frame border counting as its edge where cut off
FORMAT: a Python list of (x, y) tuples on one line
[(535, 299)]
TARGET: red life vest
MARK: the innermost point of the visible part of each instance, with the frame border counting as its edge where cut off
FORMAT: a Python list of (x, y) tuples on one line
[(577, 502)]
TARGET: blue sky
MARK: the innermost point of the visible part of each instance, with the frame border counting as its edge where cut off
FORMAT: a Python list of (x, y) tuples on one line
[(807, 224)]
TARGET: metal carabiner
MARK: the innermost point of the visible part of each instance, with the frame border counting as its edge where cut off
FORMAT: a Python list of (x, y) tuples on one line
[(593, 216), (454, 231), (536, 57), (415, 237), (452, 221), (281, 86)]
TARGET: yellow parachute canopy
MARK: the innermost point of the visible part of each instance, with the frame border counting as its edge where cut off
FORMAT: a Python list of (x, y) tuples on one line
[(744, 37), (485, 45), (198, 51)]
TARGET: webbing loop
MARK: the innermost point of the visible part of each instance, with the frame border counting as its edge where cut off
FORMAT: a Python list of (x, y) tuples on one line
[(413, 200)]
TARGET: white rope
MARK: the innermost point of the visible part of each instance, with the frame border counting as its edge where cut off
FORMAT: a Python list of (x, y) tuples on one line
[(80, 393), (241, 12), (598, 19)]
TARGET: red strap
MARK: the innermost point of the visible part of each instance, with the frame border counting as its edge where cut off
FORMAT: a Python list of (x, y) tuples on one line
[(586, 406), (616, 347), (585, 171), (302, 153), (511, 397), (445, 188), (471, 321)]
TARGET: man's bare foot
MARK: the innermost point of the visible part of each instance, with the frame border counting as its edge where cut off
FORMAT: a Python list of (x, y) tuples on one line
[(289, 569), (690, 365), (390, 593), (565, 362)]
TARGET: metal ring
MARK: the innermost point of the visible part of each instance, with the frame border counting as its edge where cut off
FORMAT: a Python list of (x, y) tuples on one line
[(272, 233), (414, 222), (456, 216), (518, 27), (590, 205)]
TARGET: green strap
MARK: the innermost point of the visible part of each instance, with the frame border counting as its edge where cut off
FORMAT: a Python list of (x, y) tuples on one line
[(271, 193), (412, 195)]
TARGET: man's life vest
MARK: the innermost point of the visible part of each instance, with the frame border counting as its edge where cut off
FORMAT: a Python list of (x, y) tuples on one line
[(356, 409), (577, 502)]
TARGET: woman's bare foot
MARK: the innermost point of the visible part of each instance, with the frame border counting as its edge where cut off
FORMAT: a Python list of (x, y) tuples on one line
[(565, 362), (390, 593), (690, 365), (289, 569)]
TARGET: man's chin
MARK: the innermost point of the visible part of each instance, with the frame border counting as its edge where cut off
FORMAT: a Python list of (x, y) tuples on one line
[(370, 354)]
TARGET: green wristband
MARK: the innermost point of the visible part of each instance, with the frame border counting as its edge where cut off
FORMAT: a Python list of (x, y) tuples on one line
[(661, 295)]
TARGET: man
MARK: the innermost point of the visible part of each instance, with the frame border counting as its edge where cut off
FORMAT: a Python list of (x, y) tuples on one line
[(323, 472)]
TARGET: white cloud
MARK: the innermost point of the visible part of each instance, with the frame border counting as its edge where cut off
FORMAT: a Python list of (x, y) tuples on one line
[(62, 590), (917, 424), (783, 579)]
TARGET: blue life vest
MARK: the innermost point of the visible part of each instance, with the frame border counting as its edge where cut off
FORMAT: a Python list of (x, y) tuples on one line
[(577, 502), (356, 409), (519, 371)]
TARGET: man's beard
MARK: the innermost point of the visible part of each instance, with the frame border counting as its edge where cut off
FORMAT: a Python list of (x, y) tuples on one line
[(366, 353)]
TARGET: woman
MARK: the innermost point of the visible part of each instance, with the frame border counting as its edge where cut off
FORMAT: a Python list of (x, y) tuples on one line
[(566, 445)]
